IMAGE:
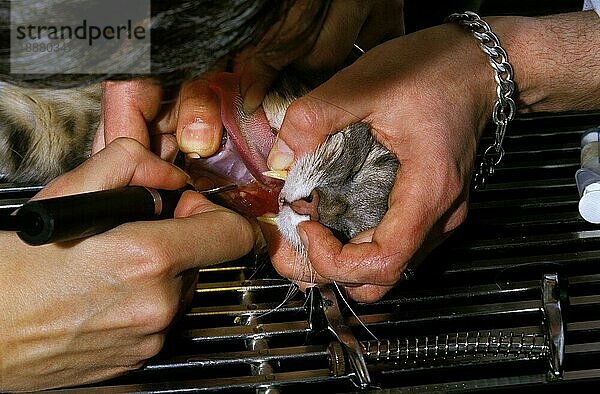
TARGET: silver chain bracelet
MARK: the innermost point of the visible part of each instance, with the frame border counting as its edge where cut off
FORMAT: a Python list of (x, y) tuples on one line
[(504, 108)]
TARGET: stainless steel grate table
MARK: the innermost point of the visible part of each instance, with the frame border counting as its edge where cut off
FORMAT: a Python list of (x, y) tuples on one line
[(511, 300)]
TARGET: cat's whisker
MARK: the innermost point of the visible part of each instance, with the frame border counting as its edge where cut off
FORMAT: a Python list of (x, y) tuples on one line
[(353, 312), (272, 220), (281, 175)]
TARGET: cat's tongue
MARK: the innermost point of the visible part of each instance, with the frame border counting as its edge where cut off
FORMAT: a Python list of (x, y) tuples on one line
[(243, 158), (251, 134)]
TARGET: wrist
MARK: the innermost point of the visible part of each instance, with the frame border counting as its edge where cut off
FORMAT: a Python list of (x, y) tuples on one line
[(555, 63), (504, 107)]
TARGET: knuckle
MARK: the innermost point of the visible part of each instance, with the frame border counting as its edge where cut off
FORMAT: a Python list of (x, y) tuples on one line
[(129, 150), (390, 272), (142, 258), (153, 257), (128, 145), (304, 114), (157, 315), (151, 346), (389, 264)]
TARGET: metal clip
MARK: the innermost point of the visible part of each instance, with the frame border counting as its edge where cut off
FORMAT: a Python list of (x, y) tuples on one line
[(325, 313), (553, 321)]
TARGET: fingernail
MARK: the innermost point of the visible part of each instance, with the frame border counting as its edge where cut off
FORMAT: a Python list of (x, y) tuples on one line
[(200, 138), (252, 100), (303, 237), (281, 156)]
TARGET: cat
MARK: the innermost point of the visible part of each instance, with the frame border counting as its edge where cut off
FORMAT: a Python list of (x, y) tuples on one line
[(344, 184), (45, 132)]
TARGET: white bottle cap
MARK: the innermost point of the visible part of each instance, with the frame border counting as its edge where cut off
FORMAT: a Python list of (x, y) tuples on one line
[(589, 205)]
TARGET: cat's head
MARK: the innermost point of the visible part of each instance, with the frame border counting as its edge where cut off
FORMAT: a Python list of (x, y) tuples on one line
[(344, 185)]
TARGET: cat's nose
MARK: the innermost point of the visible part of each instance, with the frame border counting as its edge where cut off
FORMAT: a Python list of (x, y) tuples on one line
[(307, 206)]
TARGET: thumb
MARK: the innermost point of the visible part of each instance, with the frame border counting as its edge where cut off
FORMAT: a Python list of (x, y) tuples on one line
[(201, 234), (311, 118), (256, 77)]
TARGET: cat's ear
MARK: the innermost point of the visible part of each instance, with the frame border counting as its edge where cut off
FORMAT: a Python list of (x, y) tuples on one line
[(355, 144)]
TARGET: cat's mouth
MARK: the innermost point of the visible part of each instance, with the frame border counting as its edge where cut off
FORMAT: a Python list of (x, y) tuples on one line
[(242, 158)]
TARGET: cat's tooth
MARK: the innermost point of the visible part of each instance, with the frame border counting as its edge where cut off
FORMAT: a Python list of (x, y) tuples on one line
[(282, 174), (272, 220)]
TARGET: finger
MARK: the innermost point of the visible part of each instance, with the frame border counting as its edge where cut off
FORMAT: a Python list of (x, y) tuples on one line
[(165, 146), (202, 234), (365, 263), (128, 108), (256, 77), (162, 131), (123, 162), (199, 125), (310, 119), (285, 259), (367, 293), (98, 142), (288, 39), (340, 31)]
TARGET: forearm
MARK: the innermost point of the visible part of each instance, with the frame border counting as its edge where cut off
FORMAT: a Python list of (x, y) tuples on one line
[(556, 60)]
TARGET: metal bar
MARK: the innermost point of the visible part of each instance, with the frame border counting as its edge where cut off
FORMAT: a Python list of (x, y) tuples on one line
[(243, 357), (583, 326), (585, 300), (583, 348), (444, 347), (239, 310), (307, 378), (245, 332), (553, 321), (472, 266), (487, 311), (247, 285)]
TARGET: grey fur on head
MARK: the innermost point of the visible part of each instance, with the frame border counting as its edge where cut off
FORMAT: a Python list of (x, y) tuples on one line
[(188, 37), (351, 175)]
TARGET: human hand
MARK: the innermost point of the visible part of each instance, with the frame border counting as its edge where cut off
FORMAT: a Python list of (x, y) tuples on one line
[(91, 309), (440, 90), (136, 109), (427, 97)]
